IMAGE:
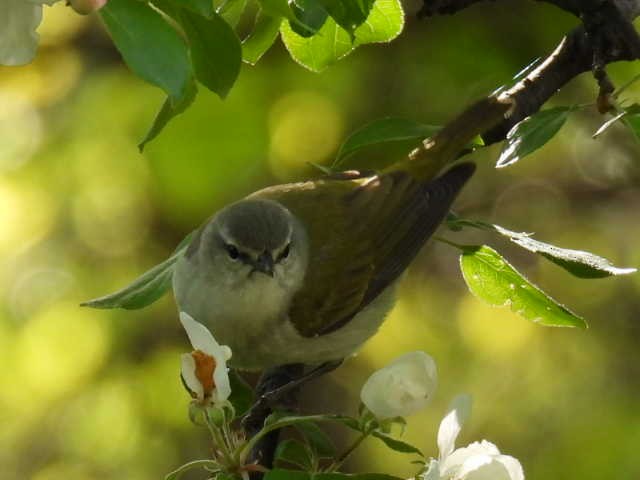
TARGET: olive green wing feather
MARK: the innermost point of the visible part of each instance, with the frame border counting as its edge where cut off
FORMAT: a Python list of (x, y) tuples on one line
[(363, 235)]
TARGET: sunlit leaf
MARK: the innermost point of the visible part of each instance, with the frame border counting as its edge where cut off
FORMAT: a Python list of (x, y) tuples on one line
[(384, 23), (264, 33), (632, 119), (310, 14), (215, 50), (232, 10), (491, 278), (332, 42), (147, 288), (167, 112), (605, 126), (532, 133), (579, 263), (152, 48), (397, 445), (381, 131), (319, 51), (293, 452), (348, 14), (277, 8)]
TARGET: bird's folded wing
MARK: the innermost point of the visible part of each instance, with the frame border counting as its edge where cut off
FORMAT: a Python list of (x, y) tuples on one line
[(363, 234)]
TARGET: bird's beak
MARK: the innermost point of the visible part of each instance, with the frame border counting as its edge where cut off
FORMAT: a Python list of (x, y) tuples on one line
[(264, 264)]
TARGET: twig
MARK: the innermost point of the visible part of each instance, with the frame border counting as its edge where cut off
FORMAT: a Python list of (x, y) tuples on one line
[(607, 35)]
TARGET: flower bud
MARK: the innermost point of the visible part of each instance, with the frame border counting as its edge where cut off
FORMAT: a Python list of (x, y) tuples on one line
[(401, 388), (85, 7)]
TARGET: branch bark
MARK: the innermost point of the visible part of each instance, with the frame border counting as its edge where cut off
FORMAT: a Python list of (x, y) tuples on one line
[(606, 35)]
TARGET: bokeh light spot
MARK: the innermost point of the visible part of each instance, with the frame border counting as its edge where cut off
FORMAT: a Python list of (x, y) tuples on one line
[(58, 350), (304, 127), (493, 331), (26, 216)]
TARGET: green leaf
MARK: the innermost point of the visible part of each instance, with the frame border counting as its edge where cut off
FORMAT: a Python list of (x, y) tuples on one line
[(332, 42), (606, 125), (147, 288), (280, 474), (319, 51), (176, 474), (397, 445), (632, 119), (490, 277), (242, 396), (264, 33), (152, 48), (317, 439), (532, 133), (294, 452), (349, 422), (310, 15), (277, 8), (201, 7), (579, 263), (381, 131), (215, 50), (167, 112), (232, 11), (384, 23), (348, 14)]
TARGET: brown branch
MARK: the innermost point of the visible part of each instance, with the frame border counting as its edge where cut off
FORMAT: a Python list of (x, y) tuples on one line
[(607, 35)]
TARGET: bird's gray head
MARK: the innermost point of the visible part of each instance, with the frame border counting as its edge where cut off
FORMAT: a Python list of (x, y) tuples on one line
[(255, 238)]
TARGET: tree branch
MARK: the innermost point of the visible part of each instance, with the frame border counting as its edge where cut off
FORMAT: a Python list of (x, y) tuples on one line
[(607, 35)]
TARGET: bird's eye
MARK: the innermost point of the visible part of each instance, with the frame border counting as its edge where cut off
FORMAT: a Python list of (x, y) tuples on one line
[(285, 252), (232, 251)]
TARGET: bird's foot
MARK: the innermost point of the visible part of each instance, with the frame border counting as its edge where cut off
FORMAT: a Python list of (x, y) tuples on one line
[(278, 387)]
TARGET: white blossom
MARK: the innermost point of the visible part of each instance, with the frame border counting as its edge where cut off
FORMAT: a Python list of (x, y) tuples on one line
[(477, 461), (18, 23), (204, 370), (401, 388)]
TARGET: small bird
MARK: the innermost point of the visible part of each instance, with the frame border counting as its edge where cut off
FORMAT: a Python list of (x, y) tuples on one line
[(306, 272)]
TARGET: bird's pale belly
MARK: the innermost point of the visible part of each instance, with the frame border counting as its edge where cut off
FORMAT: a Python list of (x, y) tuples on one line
[(253, 322)]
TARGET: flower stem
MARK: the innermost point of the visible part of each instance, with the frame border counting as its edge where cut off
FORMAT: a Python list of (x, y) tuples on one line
[(219, 440)]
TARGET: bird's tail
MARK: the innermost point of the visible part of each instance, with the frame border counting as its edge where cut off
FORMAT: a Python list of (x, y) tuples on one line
[(437, 151)]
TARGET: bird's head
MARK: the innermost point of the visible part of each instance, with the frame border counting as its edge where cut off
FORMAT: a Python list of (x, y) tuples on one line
[(256, 240)]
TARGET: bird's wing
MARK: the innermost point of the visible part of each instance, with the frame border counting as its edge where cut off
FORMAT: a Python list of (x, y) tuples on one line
[(363, 234)]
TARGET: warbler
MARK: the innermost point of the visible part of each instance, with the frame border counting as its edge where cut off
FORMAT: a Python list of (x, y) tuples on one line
[(306, 272)]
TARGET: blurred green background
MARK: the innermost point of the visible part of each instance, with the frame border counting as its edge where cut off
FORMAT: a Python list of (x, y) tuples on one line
[(89, 394)]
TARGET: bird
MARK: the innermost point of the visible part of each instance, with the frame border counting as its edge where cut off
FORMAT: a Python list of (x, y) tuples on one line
[(306, 272)]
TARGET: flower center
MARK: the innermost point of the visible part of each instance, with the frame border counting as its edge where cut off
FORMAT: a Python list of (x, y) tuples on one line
[(205, 365)]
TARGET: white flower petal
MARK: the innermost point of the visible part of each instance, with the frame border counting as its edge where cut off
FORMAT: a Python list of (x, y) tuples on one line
[(432, 472), (221, 380), (483, 467), (188, 370), (401, 388), (202, 339), (458, 414), (18, 37), (226, 351), (457, 458), (199, 335), (513, 466)]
